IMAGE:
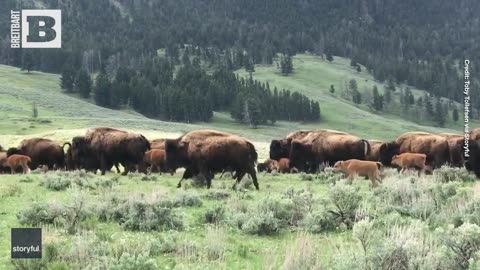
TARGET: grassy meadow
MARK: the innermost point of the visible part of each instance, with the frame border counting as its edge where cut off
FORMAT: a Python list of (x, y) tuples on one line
[(295, 221)]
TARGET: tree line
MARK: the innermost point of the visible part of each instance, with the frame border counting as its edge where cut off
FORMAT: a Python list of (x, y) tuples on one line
[(188, 94), (418, 43)]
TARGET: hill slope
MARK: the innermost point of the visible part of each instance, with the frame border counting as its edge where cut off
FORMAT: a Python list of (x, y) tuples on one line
[(62, 116)]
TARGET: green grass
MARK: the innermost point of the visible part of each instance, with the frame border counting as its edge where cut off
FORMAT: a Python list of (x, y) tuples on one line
[(257, 246)]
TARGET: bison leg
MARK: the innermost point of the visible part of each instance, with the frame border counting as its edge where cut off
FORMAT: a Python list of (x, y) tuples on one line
[(254, 178), (103, 164), (239, 177)]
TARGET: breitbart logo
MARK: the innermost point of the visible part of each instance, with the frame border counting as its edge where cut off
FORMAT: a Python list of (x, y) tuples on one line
[(36, 28)]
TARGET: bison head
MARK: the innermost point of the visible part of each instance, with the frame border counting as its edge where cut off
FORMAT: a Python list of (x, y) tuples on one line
[(387, 151), (176, 153), (338, 167), (80, 151), (14, 151), (280, 149)]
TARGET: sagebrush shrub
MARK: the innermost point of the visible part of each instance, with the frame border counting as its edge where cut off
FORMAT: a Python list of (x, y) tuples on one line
[(217, 194), (262, 224), (145, 216), (346, 200), (40, 213), (187, 199), (215, 214), (133, 262), (446, 174), (463, 243)]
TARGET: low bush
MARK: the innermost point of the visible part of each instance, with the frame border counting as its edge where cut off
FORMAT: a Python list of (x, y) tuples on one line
[(133, 262), (261, 224), (346, 200), (447, 174), (145, 216), (463, 244), (187, 199), (215, 214), (217, 194), (40, 213)]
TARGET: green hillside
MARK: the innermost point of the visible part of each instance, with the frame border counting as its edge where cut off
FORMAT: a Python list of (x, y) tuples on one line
[(62, 116)]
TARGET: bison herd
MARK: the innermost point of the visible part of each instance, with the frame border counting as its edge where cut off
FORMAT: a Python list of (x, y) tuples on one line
[(203, 153)]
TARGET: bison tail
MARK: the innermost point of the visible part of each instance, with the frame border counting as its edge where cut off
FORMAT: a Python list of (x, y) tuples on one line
[(253, 152), (67, 143), (368, 148)]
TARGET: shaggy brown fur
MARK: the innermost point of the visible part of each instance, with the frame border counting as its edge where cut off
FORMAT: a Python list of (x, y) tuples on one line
[(455, 145), (284, 166), (158, 144), (114, 146), (375, 150), (355, 167), (475, 134), (42, 152), (15, 161), (409, 161), (207, 152), (327, 146), (156, 159), (268, 166), (434, 146)]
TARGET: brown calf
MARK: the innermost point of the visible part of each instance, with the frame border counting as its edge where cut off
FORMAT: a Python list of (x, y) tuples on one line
[(284, 166), (409, 161), (15, 161), (355, 167), (156, 159)]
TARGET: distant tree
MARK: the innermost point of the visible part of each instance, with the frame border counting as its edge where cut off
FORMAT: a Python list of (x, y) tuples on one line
[(67, 79), (332, 89), (358, 68), (34, 110), (357, 97), (329, 56), (440, 113), (428, 105), (352, 85), (353, 63), (103, 90), (377, 99), (286, 65), (387, 96), (83, 83), (391, 84), (455, 115), (250, 66), (28, 61), (252, 113)]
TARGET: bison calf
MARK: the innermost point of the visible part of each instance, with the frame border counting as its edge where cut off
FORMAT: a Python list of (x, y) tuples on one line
[(15, 161), (156, 159), (410, 161), (268, 166), (354, 167)]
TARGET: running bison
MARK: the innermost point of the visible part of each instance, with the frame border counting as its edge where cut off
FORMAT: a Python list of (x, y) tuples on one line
[(207, 152), (434, 146), (327, 147), (41, 152), (104, 147)]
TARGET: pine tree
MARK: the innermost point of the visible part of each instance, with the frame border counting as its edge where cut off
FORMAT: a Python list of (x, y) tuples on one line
[(352, 85), (68, 78), (387, 96), (34, 111), (332, 89), (358, 68), (250, 66), (252, 113), (83, 83), (329, 56), (391, 84), (440, 114), (455, 115), (28, 61), (377, 99), (286, 65), (428, 105), (103, 90)]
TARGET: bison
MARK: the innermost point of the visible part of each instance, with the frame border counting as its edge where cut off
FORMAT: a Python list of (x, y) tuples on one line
[(156, 159), (268, 166), (434, 146), (281, 148), (327, 147), (41, 152), (103, 147), (455, 145), (355, 167), (207, 152), (409, 161), (15, 161)]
